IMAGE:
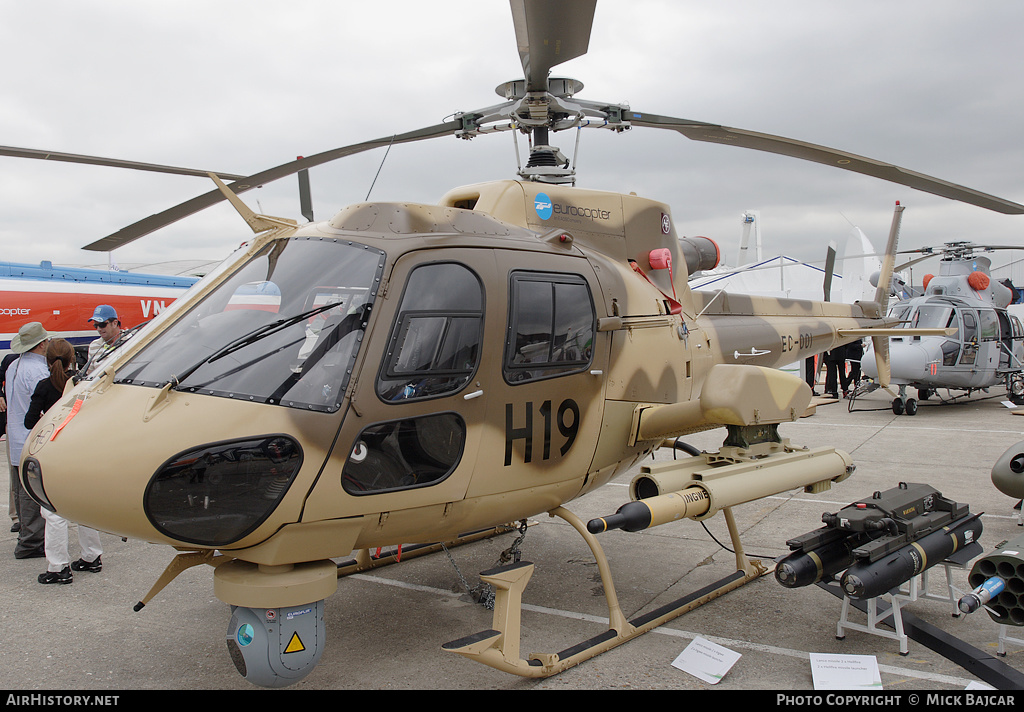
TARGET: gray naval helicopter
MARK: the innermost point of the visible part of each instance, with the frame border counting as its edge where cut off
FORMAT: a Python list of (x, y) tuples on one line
[(986, 348)]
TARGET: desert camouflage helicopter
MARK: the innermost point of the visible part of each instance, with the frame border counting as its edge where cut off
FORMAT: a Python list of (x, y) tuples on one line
[(986, 347), (412, 373)]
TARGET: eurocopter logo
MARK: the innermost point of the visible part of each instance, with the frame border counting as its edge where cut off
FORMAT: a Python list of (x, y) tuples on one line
[(542, 204), (546, 208)]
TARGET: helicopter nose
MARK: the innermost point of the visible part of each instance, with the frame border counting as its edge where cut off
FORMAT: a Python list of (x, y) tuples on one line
[(183, 486), (909, 360)]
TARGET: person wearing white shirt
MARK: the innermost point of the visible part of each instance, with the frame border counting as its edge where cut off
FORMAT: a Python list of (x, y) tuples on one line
[(23, 375), (108, 326)]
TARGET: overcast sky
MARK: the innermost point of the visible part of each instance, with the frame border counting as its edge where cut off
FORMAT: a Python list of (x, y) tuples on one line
[(242, 85)]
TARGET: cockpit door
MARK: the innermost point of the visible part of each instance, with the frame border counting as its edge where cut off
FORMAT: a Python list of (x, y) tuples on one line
[(410, 436), (545, 381)]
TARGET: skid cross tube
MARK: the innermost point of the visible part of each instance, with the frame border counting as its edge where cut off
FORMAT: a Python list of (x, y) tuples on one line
[(498, 647)]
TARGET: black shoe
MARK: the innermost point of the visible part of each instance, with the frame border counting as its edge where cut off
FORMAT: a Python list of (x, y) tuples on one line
[(83, 565), (16, 527), (63, 577)]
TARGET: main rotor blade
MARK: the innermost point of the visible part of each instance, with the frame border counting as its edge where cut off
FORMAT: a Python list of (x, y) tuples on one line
[(830, 268), (911, 263), (549, 33), (111, 162), (713, 133), (190, 207)]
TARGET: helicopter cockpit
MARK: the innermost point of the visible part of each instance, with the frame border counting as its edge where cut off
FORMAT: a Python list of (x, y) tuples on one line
[(283, 330), (985, 346), (938, 315), (974, 324)]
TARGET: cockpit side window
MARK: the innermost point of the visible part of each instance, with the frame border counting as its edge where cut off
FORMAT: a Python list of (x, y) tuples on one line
[(970, 332), (901, 312), (405, 454), (434, 347), (989, 325), (551, 326)]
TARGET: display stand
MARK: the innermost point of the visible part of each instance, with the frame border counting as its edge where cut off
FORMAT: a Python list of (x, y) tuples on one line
[(916, 588), (989, 668), (1004, 639), (897, 600)]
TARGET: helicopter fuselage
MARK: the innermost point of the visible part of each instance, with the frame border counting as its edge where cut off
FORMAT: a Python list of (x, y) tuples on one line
[(404, 373), (986, 347)]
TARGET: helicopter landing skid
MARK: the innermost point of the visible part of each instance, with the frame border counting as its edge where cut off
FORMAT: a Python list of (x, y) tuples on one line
[(498, 647)]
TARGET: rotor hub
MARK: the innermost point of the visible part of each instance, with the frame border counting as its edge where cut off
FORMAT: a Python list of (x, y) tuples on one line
[(562, 87)]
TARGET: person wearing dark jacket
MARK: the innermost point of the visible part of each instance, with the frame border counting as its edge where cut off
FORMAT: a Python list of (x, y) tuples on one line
[(835, 370), (854, 353), (60, 357)]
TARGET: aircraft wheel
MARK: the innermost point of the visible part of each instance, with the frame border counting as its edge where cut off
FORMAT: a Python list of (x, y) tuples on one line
[(897, 406), (924, 393), (1015, 388), (911, 406)]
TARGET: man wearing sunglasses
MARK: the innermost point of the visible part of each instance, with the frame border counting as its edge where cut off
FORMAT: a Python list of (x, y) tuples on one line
[(108, 326)]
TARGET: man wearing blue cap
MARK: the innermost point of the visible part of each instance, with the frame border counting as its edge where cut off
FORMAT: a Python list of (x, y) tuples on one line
[(104, 318)]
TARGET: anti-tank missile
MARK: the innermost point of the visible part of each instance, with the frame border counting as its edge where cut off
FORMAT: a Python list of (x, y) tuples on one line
[(697, 487), (866, 531), (869, 579), (753, 463), (650, 512), (824, 560)]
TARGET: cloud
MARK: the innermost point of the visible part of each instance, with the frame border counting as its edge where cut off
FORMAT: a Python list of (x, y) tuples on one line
[(242, 85)]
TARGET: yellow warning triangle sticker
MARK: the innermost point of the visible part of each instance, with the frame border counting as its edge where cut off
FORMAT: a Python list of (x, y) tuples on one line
[(295, 645)]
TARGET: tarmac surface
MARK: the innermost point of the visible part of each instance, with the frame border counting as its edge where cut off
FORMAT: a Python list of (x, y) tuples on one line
[(385, 628)]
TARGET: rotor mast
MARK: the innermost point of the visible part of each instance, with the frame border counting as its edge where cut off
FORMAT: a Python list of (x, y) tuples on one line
[(547, 34)]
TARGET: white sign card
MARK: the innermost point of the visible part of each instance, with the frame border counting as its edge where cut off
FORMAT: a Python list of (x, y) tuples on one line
[(706, 660), (845, 672)]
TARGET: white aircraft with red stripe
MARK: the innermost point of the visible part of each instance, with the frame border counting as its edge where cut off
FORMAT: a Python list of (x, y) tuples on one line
[(63, 298)]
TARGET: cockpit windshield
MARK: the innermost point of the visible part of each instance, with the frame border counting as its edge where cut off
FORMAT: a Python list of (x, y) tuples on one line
[(932, 316), (901, 312), (925, 316), (284, 329)]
